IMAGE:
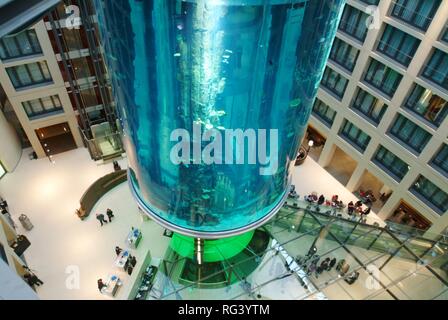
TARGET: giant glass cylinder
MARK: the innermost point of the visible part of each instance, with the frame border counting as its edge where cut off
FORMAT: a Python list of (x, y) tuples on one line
[(214, 96)]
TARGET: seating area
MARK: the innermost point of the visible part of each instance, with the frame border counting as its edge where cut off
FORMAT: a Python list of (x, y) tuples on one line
[(98, 189), (333, 206)]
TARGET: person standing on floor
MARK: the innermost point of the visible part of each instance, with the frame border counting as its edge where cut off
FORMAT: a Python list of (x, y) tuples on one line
[(101, 285), (324, 264), (118, 250), (331, 264), (110, 214), (100, 218), (350, 208), (32, 279), (321, 200)]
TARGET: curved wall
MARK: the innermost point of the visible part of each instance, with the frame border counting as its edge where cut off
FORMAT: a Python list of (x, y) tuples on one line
[(10, 147), (208, 67)]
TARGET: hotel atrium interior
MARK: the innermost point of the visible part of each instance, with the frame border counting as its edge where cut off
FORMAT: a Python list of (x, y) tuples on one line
[(224, 150)]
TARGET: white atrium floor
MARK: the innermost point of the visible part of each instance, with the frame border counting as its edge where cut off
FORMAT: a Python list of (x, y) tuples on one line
[(49, 194)]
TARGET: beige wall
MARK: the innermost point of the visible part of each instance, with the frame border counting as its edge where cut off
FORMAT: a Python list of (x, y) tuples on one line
[(10, 147), (419, 164), (16, 97)]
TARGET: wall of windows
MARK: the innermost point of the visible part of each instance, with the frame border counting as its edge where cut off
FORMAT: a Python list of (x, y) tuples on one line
[(334, 82), (427, 105), (43, 106), (432, 195), (398, 45), (436, 70), (418, 13), (324, 113), (369, 106), (354, 23), (23, 44), (344, 54), (29, 74), (411, 134), (390, 163), (440, 161), (383, 78), (354, 135)]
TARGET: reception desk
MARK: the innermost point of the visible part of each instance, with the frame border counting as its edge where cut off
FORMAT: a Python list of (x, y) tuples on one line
[(122, 260), (113, 283), (134, 238)]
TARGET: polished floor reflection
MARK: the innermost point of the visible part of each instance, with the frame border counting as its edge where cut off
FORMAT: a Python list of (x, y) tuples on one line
[(60, 239)]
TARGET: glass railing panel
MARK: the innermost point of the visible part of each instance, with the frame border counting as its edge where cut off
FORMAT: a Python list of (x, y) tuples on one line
[(385, 243), (418, 287), (442, 296)]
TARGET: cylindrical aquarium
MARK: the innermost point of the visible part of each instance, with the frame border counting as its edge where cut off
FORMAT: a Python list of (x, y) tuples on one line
[(214, 96)]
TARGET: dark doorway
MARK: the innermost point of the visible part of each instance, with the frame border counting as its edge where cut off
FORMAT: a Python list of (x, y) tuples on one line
[(56, 139), (405, 214)]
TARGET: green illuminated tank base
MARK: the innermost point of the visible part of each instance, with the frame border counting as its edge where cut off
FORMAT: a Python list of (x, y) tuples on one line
[(224, 261), (213, 250)]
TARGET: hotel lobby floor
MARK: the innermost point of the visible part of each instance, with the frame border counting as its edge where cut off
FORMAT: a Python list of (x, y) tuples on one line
[(49, 194)]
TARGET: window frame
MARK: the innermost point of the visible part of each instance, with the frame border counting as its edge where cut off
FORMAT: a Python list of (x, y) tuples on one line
[(394, 174), (393, 133), (18, 81), (427, 200), (354, 142)]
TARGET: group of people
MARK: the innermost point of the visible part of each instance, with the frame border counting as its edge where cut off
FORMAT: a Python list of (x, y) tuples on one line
[(100, 217), (6, 213), (357, 207), (367, 197), (310, 264), (129, 267), (130, 263), (343, 267), (293, 193), (321, 200), (354, 209), (31, 278)]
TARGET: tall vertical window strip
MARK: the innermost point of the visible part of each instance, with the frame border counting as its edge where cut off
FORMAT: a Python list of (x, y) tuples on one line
[(23, 44), (383, 78), (427, 105), (444, 37), (322, 111), (436, 70), (431, 194), (418, 13), (344, 54), (369, 106), (354, 135), (42, 106), (390, 163), (398, 45), (409, 133), (29, 74), (440, 161), (354, 23), (334, 82)]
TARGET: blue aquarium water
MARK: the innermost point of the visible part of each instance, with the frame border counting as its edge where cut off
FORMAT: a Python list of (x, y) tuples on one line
[(209, 67)]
